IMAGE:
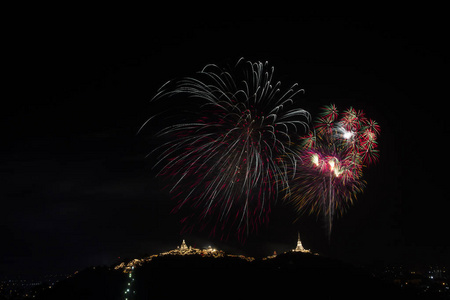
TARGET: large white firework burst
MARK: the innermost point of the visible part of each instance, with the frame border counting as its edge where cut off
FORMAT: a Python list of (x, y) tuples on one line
[(230, 145)]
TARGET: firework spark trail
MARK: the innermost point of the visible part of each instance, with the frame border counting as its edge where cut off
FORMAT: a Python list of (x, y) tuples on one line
[(228, 156), (334, 155)]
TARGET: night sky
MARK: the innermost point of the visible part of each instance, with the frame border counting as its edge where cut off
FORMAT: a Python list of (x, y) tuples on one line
[(76, 188)]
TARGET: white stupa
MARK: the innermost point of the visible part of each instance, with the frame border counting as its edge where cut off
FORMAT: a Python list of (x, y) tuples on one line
[(183, 247), (299, 247)]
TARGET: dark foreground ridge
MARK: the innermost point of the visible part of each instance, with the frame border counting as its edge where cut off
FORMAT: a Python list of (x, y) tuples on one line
[(285, 276)]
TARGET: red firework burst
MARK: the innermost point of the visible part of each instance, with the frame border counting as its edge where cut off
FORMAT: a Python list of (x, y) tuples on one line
[(333, 158)]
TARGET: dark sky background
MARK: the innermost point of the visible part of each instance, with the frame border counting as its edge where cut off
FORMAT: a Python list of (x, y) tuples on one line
[(77, 191)]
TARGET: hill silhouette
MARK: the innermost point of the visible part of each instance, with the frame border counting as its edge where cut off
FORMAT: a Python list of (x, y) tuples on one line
[(286, 276)]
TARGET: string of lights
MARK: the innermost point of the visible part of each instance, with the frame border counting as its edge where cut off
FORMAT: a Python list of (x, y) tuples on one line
[(129, 289)]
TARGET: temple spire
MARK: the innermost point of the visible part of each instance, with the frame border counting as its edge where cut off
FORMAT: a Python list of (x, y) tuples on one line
[(183, 247), (299, 247)]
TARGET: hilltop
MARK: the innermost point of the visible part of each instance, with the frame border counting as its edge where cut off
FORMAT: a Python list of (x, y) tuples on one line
[(187, 271)]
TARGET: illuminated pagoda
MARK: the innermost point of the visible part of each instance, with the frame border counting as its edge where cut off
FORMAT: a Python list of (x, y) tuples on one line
[(299, 247), (183, 247)]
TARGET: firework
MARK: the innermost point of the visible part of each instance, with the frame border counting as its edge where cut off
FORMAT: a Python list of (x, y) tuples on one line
[(228, 153), (334, 156)]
